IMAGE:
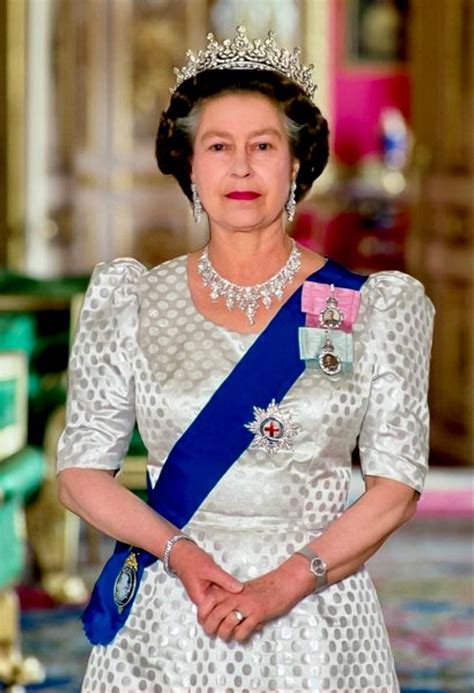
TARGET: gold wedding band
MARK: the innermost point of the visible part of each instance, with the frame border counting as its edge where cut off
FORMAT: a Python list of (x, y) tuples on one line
[(238, 615)]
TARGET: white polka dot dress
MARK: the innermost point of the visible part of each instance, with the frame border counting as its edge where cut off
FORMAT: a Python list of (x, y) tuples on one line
[(143, 351)]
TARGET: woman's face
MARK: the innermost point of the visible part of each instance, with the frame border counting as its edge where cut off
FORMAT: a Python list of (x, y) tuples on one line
[(242, 164)]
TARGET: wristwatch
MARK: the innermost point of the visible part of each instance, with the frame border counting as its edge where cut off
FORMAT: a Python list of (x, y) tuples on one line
[(316, 565)]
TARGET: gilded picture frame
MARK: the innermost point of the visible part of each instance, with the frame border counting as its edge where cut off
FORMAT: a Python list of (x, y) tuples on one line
[(376, 32)]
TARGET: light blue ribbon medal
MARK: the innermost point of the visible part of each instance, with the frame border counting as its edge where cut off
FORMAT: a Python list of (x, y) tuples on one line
[(330, 351)]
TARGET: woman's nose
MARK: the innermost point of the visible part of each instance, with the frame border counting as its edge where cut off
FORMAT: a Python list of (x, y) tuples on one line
[(241, 165)]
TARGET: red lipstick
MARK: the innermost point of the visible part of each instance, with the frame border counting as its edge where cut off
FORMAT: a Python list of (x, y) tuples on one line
[(243, 195)]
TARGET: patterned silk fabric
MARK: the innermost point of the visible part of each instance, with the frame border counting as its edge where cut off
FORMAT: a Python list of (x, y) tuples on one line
[(143, 350)]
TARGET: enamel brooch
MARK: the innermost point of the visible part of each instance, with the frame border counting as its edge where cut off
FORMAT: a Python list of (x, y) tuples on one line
[(273, 427)]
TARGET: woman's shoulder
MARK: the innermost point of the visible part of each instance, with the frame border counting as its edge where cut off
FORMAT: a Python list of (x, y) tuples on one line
[(117, 270), (174, 266), (389, 289), (128, 270), (118, 288)]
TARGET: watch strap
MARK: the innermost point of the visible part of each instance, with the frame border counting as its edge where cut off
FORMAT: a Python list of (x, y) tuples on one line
[(316, 565)]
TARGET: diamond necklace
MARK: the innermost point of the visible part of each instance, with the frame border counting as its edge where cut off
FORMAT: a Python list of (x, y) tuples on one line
[(247, 298)]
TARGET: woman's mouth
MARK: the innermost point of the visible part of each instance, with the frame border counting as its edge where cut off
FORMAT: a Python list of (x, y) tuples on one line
[(243, 195)]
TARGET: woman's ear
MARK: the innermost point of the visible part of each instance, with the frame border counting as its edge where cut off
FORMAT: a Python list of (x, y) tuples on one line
[(295, 168)]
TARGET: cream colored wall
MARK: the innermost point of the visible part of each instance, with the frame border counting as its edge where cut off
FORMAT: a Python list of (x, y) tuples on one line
[(41, 258), (317, 43), (318, 37)]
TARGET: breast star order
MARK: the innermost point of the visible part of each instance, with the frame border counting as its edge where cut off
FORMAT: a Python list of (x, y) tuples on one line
[(273, 427)]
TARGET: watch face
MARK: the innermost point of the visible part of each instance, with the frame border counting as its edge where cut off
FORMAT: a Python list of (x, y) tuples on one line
[(318, 568)]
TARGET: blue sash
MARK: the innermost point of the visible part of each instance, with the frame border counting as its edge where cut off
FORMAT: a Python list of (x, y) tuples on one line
[(203, 454)]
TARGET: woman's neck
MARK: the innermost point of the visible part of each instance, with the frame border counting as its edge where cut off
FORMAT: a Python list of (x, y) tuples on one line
[(249, 257)]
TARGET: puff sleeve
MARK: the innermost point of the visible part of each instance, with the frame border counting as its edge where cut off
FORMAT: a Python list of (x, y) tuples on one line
[(100, 411), (393, 441)]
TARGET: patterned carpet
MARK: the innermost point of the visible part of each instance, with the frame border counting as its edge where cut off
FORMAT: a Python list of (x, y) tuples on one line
[(424, 578)]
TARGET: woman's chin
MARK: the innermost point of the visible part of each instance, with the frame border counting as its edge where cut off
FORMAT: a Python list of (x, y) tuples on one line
[(245, 220)]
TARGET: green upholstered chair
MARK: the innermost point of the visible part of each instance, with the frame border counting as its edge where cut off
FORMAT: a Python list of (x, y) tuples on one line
[(35, 318), (21, 474)]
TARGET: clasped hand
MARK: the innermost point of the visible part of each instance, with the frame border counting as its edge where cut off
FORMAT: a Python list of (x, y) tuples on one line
[(262, 599), (218, 595)]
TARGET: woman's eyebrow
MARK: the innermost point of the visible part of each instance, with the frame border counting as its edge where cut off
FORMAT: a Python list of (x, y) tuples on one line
[(215, 133), (266, 131), (255, 133)]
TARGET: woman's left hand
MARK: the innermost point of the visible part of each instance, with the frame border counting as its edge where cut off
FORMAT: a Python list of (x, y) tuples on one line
[(263, 599)]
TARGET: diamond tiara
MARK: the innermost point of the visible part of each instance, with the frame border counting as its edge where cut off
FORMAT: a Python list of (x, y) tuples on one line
[(243, 54)]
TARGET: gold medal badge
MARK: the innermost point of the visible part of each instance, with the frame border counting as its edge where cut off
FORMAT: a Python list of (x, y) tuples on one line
[(126, 582)]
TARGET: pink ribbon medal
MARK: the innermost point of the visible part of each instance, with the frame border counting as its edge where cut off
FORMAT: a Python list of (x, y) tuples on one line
[(329, 307)]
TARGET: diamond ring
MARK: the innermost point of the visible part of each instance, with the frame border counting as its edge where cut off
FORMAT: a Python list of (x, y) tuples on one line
[(238, 615)]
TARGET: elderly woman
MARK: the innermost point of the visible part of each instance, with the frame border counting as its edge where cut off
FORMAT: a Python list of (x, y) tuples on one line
[(253, 367)]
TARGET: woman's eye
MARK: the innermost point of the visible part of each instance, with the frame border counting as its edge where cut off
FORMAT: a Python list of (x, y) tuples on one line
[(217, 147), (263, 146)]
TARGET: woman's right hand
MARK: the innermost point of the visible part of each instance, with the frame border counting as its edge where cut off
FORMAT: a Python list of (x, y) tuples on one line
[(199, 573)]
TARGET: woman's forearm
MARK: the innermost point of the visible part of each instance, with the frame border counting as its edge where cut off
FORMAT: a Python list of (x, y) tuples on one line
[(360, 531), (101, 501)]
